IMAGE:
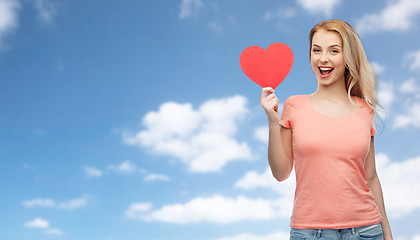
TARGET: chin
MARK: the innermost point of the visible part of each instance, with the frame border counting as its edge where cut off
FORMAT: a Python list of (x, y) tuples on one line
[(327, 81)]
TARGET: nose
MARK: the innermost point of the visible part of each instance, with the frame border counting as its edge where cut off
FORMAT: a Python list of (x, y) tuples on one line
[(324, 57)]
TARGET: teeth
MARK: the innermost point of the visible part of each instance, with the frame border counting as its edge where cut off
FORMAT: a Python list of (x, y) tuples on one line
[(325, 68)]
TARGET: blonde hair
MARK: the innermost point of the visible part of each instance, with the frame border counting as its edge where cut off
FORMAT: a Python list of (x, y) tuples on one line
[(360, 77)]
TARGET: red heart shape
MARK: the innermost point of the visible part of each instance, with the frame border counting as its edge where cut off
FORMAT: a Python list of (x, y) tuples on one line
[(267, 68)]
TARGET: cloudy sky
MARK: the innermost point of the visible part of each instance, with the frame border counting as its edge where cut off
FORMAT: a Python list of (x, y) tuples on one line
[(126, 120)]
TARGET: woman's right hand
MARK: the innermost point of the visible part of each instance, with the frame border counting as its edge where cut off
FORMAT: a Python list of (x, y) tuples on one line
[(270, 103)]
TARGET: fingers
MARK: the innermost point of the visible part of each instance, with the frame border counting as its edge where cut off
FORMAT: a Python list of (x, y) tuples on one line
[(266, 91), (267, 94), (270, 97), (270, 102)]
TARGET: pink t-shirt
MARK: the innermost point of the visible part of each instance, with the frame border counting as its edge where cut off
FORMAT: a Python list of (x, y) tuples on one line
[(329, 155)]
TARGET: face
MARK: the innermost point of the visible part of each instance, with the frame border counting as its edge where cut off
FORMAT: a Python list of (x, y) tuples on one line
[(327, 59)]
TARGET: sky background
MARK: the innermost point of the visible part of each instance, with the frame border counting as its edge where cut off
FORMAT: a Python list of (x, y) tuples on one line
[(126, 120)]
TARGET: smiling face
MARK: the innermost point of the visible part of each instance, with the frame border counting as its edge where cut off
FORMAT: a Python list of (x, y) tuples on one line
[(327, 58)]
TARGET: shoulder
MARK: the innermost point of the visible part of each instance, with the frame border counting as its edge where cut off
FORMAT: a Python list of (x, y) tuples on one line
[(364, 105), (296, 99), (293, 103), (362, 102)]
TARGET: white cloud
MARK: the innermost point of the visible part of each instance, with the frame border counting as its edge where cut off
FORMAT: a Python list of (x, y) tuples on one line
[(409, 86), (217, 209), (410, 118), (409, 114), (386, 95), (261, 134), (216, 27), (400, 185), (415, 58), (39, 202), (43, 224), (202, 139), (253, 180), (156, 177), (403, 237), (125, 167), (46, 10), (248, 236), (54, 231), (378, 67), (92, 172), (74, 203), (8, 17), (29, 167), (37, 223), (137, 209), (325, 7), (189, 8), (396, 16), (46, 202), (279, 13)]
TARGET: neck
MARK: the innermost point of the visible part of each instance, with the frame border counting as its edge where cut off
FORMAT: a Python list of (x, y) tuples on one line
[(334, 92)]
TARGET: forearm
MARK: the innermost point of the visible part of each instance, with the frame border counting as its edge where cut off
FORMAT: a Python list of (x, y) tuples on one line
[(277, 157), (375, 186)]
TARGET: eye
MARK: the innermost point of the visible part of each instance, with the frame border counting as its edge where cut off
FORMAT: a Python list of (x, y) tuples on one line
[(334, 51), (315, 50)]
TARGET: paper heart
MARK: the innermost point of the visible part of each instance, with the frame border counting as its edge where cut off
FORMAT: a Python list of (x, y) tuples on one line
[(267, 68)]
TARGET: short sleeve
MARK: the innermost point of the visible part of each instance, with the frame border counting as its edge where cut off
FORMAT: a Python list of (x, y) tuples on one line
[(372, 128), (286, 114), (372, 131), (372, 123)]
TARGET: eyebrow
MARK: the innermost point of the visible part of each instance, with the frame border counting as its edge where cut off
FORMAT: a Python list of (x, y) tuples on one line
[(332, 46)]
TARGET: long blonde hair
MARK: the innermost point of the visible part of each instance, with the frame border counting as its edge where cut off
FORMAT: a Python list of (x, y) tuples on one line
[(360, 77)]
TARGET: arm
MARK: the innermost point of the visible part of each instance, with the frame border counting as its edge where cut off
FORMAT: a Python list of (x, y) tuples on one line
[(280, 139), (375, 186)]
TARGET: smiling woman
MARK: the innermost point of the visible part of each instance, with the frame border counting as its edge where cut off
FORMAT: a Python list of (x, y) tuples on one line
[(359, 76), (328, 137)]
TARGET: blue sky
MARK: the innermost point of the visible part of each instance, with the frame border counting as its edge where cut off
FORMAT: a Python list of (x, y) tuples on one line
[(126, 120)]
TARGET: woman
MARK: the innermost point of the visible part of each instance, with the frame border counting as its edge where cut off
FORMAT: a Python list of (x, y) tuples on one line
[(329, 137)]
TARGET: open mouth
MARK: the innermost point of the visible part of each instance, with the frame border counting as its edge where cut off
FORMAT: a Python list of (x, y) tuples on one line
[(325, 71)]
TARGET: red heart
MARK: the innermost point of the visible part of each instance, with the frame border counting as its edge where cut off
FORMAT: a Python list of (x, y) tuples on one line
[(268, 68)]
